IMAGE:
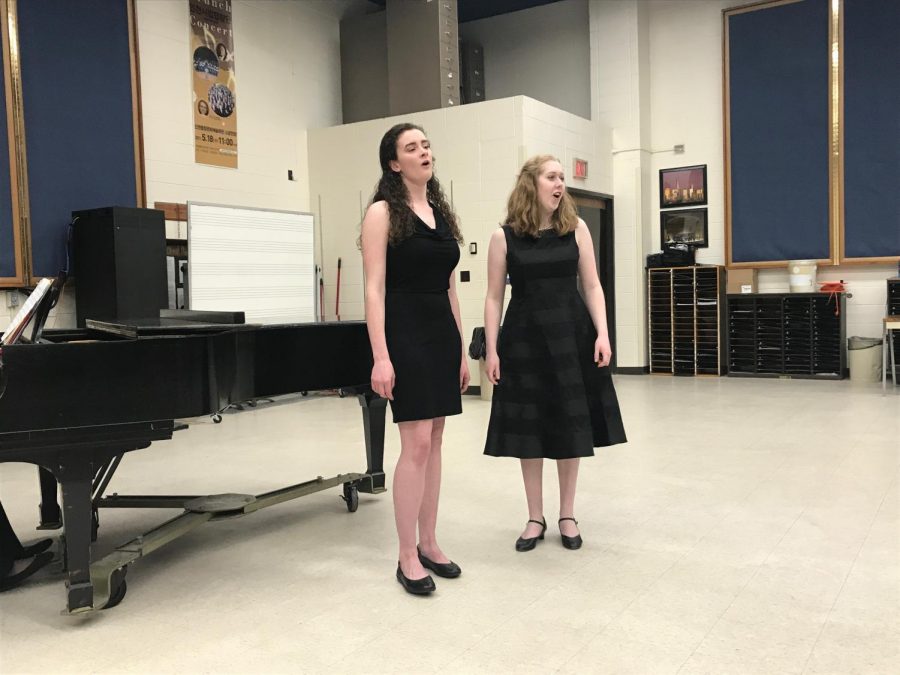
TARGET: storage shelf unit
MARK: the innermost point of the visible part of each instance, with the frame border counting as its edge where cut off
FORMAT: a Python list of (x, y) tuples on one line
[(685, 319), (793, 334), (893, 309), (893, 296)]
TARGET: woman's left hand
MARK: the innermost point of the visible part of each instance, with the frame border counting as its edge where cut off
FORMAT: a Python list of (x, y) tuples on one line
[(602, 351), (463, 375)]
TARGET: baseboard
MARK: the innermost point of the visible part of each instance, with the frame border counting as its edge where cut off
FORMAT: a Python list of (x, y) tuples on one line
[(475, 390), (632, 370)]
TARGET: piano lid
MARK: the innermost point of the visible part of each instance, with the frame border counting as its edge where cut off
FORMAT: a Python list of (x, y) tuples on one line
[(169, 322)]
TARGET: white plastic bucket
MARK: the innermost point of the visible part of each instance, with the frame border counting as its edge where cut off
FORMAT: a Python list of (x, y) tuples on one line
[(802, 276)]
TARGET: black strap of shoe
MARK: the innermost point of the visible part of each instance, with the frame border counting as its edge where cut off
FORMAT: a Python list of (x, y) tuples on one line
[(539, 522), (572, 519)]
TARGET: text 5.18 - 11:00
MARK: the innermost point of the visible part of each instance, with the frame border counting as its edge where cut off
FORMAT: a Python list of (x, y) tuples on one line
[(221, 140)]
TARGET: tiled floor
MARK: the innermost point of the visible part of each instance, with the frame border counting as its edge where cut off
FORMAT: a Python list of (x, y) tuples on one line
[(749, 526)]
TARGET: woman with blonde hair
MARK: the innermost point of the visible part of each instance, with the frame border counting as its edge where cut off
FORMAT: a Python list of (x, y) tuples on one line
[(553, 393)]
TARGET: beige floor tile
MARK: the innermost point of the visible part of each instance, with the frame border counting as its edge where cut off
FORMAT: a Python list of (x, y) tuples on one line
[(613, 652), (856, 649), (763, 538)]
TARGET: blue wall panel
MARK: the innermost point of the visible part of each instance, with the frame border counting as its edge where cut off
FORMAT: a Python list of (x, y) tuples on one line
[(778, 85), (76, 79), (871, 128), (7, 242)]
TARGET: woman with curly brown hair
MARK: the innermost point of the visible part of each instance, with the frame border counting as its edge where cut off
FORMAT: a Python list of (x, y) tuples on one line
[(555, 398), (410, 245)]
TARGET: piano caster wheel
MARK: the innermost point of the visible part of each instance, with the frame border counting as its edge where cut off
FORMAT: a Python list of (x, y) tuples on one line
[(351, 496), (216, 418), (341, 393), (304, 393), (118, 588)]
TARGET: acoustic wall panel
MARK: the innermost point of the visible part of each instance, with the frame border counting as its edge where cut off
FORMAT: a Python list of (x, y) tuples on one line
[(778, 132), (871, 53), (7, 217), (79, 124)]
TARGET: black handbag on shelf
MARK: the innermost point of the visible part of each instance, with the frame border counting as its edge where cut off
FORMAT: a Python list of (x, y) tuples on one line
[(679, 255)]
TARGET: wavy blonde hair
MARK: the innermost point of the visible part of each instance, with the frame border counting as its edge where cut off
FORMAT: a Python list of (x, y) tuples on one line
[(523, 210)]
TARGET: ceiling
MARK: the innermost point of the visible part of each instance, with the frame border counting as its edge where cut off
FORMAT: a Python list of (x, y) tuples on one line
[(472, 10)]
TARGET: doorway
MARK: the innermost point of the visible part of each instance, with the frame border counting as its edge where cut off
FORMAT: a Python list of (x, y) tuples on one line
[(596, 211)]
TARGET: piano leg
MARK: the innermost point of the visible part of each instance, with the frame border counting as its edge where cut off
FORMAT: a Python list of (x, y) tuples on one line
[(75, 479), (51, 516), (373, 410)]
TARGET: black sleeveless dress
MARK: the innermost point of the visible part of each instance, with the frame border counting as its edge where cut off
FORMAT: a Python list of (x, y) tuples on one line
[(552, 400), (423, 340)]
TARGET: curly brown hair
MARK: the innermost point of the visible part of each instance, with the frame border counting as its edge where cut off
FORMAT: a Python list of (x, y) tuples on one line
[(392, 189), (523, 210)]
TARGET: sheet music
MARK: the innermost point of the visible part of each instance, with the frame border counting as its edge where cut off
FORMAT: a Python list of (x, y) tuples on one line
[(23, 316)]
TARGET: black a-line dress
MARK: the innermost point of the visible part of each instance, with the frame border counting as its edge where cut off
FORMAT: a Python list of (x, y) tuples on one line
[(552, 400), (423, 340)]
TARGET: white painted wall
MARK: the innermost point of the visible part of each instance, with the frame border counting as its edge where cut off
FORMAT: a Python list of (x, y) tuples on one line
[(287, 57), (542, 53), (478, 149), (620, 101), (686, 103)]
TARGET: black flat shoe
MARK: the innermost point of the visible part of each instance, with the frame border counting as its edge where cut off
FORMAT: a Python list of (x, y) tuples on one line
[(33, 549), (571, 543), (448, 570), (422, 586), (523, 544), (13, 580)]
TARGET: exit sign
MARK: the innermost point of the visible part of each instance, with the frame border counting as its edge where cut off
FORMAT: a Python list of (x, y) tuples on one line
[(580, 169)]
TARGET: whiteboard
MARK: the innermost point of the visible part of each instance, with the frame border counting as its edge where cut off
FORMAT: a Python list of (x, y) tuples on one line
[(257, 261)]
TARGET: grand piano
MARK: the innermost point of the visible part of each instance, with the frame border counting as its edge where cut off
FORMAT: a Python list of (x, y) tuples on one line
[(75, 402)]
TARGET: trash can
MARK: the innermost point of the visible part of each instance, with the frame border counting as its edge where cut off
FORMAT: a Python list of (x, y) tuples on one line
[(864, 355)]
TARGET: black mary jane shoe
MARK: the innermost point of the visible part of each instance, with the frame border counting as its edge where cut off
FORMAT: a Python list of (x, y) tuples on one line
[(523, 544), (448, 570), (571, 543), (423, 586)]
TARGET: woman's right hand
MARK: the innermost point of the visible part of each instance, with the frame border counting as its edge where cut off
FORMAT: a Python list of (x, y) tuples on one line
[(492, 366), (383, 379)]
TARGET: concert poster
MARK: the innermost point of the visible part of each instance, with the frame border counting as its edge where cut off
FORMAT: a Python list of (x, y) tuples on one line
[(212, 70)]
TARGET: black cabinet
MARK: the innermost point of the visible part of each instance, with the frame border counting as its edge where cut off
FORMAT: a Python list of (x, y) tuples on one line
[(893, 309), (120, 263), (685, 318), (893, 297), (793, 334)]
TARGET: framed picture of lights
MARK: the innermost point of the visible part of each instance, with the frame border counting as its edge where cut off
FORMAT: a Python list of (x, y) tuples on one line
[(683, 186), (684, 226)]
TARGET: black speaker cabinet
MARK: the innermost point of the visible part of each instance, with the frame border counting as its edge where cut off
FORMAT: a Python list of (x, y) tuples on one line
[(119, 263)]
